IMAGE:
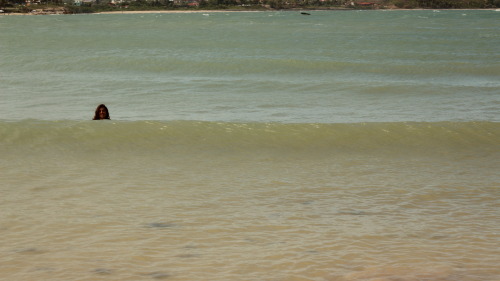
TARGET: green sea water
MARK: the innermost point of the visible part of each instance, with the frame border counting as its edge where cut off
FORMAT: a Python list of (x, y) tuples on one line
[(340, 146), (330, 67)]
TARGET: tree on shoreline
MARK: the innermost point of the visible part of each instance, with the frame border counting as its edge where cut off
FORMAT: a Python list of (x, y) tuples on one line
[(447, 4)]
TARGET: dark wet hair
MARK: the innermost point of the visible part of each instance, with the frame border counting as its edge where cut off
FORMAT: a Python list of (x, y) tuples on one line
[(96, 115)]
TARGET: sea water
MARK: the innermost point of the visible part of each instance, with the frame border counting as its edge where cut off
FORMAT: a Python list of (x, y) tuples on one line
[(344, 145)]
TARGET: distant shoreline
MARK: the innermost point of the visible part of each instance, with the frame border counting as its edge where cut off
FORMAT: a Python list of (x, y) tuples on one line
[(59, 12), (284, 10), (177, 11)]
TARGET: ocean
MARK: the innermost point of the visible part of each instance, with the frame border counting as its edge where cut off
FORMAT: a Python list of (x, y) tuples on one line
[(336, 146)]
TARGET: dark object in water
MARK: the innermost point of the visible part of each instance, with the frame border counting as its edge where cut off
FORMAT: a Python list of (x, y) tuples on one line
[(160, 225), (304, 13), (103, 271), (159, 275), (353, 212)]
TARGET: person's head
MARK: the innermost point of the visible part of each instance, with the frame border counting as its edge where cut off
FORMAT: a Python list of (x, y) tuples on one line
[(101, 112)]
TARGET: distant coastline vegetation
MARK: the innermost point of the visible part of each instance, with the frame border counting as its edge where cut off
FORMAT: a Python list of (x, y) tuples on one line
[(97, 6)]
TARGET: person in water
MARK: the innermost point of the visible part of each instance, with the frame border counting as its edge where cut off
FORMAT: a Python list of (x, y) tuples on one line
[(101, 112)]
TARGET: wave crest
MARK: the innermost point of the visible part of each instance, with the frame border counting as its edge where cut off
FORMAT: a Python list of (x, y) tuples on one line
[(223, 136)]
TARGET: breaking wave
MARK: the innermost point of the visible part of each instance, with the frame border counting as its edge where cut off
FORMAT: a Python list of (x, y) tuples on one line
[(220, 137)]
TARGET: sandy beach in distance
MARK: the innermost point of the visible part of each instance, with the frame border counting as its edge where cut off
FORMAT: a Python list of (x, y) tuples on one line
[(193, 11), (172, 11), (226, 11)]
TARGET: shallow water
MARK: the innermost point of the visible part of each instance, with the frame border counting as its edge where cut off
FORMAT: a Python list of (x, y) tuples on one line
[(339, 146), (222, 201)]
